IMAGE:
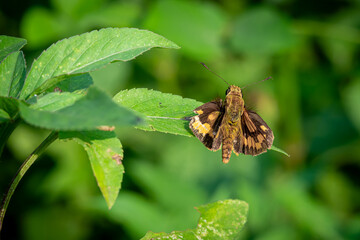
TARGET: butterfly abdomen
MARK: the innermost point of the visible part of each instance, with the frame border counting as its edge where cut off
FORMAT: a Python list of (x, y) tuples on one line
[(227, 148)]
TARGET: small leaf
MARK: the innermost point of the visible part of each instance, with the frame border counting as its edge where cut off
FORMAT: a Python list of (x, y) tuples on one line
[(88, 52), (163, 112), (219, 220), (9, 45), (279, 150), (12, 74), (105, 153), (89, 112)]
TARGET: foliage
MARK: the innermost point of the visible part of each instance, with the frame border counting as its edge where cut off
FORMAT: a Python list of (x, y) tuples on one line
[(309, 49), (219, 220), (76, 110), (77, 113)]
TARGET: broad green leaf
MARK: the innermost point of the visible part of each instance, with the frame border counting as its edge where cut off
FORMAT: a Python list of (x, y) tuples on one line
[(262, 31), (197, 26), (163, 112), (9, 105), (9, 45), (12, 74), (219, 220), (93, 110), (105, 153), (88, 52)]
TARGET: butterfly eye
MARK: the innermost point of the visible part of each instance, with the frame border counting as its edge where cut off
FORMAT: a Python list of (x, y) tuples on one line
[(227, 91)]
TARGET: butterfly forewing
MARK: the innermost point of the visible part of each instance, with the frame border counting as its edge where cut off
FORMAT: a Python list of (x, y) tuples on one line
[(206, 125)]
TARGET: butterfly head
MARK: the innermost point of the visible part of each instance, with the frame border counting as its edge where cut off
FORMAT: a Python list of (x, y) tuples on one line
[(233, 90)]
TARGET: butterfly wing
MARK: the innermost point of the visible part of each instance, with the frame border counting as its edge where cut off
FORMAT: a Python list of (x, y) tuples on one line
[(206, 126), (255, 137)]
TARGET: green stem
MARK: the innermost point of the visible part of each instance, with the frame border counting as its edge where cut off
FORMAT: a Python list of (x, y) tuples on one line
[(22, 170)]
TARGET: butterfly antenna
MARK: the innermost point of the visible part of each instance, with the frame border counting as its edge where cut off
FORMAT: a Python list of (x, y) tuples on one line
[(214, 73), (256, 82)]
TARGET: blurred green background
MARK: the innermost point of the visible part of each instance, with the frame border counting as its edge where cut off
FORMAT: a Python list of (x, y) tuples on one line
[(310, 48)]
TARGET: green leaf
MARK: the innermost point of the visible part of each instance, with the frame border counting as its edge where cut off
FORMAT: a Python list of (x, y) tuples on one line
[(69, 83), (55, 101), (12, 74), (163, 112), (9, 105), (105, 153), (262, 31), (219, 220), (93, 110), (88, 52), (279, 150), (182, 20), (4, 116), (9, 45)]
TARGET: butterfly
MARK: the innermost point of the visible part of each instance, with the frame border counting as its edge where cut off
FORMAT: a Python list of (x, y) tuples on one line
[(231, 125)]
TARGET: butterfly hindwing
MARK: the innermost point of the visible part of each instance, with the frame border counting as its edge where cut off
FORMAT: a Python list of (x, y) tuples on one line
[(206, 126), (256, 136)]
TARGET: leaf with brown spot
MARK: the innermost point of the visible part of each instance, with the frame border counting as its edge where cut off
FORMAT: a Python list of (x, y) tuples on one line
[(102, 147)]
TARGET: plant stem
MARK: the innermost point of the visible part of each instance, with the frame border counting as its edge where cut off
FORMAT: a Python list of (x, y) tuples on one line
[(21, 172)]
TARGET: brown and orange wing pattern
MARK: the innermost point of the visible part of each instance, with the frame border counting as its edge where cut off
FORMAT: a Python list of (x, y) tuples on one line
[(206, 126), (256, 136)]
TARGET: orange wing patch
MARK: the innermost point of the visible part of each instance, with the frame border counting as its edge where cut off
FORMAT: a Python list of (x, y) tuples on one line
[(200, 127), (263, 128)]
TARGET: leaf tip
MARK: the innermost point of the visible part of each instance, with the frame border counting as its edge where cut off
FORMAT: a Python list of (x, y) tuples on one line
[(279, 150)]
